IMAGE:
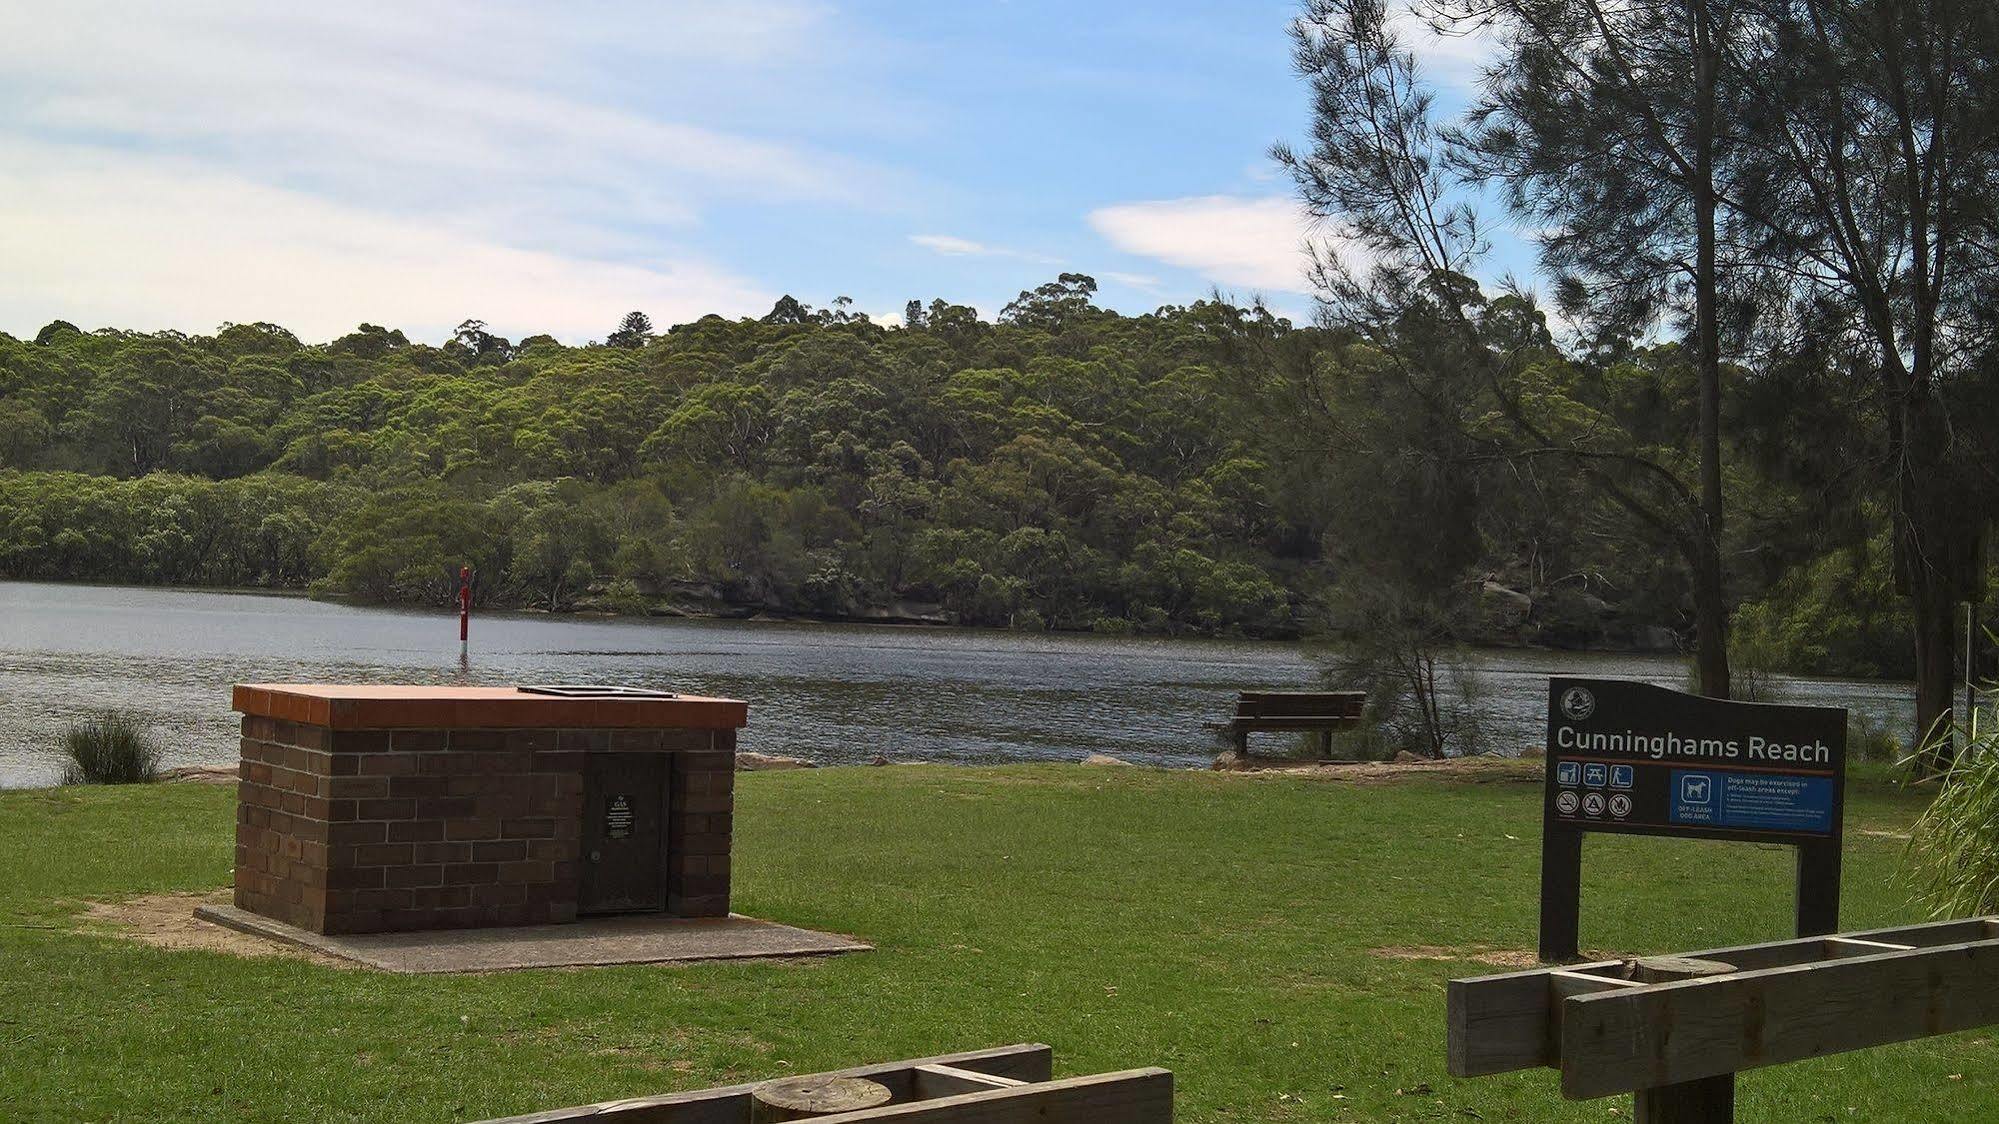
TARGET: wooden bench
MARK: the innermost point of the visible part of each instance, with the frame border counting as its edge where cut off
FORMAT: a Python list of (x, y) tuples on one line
[(1276, 711)]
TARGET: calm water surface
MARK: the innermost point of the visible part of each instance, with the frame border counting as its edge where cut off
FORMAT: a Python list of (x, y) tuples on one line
[(831, 693)]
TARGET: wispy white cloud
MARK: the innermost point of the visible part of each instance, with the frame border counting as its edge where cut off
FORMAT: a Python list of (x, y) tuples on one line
[(120, 241), (1144, 281), (951, 245), (1253, 241), (417, 105), (490, 128), (1451, 55)]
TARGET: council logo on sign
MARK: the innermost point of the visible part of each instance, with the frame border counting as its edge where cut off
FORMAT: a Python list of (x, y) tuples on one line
[(1578, 703)]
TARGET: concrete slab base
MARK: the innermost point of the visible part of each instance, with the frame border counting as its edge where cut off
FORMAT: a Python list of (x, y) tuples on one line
[(636, 939)]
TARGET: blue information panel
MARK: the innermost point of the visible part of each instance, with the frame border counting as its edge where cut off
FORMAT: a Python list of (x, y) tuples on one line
[(1753, 801)]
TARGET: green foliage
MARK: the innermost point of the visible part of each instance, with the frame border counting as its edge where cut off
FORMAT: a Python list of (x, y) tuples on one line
[(114, 747), (1954, 846), (1835, 615), (165, 529), (1868, 740), (1753, 660), (408, 544)]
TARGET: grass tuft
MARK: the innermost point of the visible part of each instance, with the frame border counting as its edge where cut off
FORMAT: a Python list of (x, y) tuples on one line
[(1954, 846), (114, 747)]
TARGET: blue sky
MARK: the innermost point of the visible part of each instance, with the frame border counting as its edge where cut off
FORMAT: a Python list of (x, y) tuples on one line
[(548, 167)]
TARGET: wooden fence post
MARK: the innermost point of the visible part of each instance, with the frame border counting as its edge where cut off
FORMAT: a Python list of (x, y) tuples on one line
[(1706, 1100)]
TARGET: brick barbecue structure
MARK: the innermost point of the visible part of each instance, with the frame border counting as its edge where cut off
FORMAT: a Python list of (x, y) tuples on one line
[(367, 809)]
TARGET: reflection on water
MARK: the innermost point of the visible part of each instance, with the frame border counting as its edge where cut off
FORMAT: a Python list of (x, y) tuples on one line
[(828, 692)]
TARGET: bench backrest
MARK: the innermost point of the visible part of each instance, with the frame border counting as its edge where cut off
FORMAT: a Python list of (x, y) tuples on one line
[(1300, 704)]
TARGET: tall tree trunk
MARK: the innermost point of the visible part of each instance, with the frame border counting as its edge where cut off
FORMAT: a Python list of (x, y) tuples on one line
[(1710, 595), (1930, 555), (1936, 652), (1710, 622)]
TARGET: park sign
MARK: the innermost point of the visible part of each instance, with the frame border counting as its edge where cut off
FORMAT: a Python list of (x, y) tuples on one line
[(1635, 759)]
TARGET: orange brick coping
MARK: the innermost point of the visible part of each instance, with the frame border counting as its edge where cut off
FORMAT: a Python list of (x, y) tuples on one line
[(358, 706)]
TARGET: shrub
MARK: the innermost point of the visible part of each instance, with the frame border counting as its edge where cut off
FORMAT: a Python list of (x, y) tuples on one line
[(1953, 854), (1753, 662), (623, 595), (1869, 740), (1837, 615), (112, 748), (1405, 652)]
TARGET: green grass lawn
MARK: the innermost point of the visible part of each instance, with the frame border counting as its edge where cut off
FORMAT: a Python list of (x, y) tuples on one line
[(1221, 926)]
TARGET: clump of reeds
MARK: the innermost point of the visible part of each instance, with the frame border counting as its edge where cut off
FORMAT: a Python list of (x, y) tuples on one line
[(114, 747), (1954, 846)]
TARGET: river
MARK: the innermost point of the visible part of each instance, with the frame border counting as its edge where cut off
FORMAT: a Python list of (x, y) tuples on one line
[(832, 693)]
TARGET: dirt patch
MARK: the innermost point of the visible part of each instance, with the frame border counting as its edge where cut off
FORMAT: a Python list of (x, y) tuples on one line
[(168, 921), (1497, 957), (1477, 770)]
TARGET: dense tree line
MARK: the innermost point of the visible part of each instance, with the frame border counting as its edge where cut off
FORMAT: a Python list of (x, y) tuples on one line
[(1066, 466), (1199, 469)]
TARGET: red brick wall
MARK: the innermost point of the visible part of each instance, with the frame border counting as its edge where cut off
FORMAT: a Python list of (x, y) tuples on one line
[(389, 830)]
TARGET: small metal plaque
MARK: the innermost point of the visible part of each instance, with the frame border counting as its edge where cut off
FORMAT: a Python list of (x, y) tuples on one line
[(618, 820)]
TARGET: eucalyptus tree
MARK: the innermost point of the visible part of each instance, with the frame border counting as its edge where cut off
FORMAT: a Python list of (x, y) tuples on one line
[(1388, 180), (1605, 124)]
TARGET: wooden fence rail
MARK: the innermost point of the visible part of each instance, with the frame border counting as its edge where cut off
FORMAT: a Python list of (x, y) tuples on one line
[(1006, 1085), (1619, 1026)]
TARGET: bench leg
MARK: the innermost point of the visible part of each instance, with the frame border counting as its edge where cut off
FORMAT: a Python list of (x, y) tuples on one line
[(1325, 745), (1242, 743)]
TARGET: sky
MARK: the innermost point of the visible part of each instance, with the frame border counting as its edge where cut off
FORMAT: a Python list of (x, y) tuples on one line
[(548, 167)]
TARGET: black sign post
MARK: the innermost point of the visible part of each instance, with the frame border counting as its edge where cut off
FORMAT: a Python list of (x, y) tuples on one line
[(1642, 760)]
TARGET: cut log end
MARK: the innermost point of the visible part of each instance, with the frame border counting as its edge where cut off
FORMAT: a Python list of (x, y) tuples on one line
[(802, 1098), (1662, 969)]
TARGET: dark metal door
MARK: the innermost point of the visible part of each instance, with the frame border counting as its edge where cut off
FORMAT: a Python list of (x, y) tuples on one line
[(624, 833)]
